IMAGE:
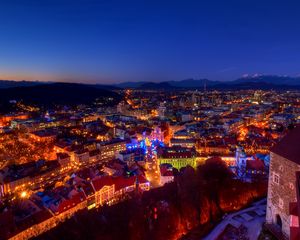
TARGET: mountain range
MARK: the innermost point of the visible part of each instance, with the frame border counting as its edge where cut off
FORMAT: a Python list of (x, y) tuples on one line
[(247, 82), (256, 82)]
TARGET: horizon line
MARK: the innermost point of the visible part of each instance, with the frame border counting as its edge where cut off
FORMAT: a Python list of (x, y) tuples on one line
[(152, 81)]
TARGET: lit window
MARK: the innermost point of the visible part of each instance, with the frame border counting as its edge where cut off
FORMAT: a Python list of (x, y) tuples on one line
[(276, 178)]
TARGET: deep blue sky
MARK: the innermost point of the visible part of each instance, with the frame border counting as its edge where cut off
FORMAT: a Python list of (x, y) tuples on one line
[(115, 41)]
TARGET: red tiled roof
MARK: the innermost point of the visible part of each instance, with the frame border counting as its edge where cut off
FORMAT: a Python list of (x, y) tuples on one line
[(66, 204), (119, 182), (122, 182), (100, 182), (85, 173), (289, 146)]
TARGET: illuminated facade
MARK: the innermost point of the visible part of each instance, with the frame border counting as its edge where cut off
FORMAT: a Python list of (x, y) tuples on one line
[(109, 189), (178, 157), (110, 149)]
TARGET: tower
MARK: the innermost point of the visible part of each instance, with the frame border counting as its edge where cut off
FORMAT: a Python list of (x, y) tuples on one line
[(241, 161)]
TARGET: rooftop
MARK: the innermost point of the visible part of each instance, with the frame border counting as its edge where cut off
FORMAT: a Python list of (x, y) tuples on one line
[(288, 147)]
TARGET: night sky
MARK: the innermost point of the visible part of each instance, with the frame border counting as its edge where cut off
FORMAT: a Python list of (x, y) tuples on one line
[(115, 41)]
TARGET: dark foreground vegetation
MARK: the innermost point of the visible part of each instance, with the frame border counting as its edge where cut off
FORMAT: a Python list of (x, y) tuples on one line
[(195, 202)]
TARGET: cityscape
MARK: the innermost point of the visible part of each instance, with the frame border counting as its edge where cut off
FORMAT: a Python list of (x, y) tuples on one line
[(177, 161), (104, 134)]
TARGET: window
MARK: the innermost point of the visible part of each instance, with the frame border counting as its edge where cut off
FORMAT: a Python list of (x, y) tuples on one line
[(275, 178), (280, 203)]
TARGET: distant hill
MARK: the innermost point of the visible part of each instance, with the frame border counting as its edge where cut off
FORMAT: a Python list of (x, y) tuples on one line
[(58, 93), (270, 79), (192, 83), (156, 86), (12, 83), (130, 84), (24, 83), (250, 82), (187, 83), (256, 82)]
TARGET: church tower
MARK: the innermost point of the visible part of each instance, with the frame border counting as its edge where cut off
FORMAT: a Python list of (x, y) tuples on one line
[(241, 161)]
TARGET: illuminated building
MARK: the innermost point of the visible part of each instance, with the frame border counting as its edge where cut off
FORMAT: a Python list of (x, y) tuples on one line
[(178, 157), (186, 117), (64, 159), (43, 136), (233, 125), (63, 202), (110, 189), (59, 208), (166, 174), (161, 110), (122, 107), (110, 149), (95, 156), (33, 221), (157, 135), (212, 147), (90, 118), (82, 156), (7, 119), (186, 143), (17, 178), (132, 156), (181, 134)]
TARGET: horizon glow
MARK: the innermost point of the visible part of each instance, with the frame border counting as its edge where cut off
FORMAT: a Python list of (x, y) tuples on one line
[(118, 41)]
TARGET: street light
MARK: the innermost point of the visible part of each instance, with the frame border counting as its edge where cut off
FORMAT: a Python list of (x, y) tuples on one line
[(23, 194)]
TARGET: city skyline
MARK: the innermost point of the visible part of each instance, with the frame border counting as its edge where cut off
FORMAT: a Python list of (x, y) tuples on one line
[(149, 120), (96, 42)]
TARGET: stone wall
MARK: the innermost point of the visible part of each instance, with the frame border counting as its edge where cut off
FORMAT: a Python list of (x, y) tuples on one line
[(282, 193)]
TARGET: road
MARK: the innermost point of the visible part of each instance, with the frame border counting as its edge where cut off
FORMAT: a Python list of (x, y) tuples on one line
[(153, 172)]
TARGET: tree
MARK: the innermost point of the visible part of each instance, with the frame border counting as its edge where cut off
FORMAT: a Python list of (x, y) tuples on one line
[(212, 177)]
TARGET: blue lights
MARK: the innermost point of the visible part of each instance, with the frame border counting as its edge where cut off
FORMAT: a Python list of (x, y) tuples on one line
[(143, 145), (131, 146)]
